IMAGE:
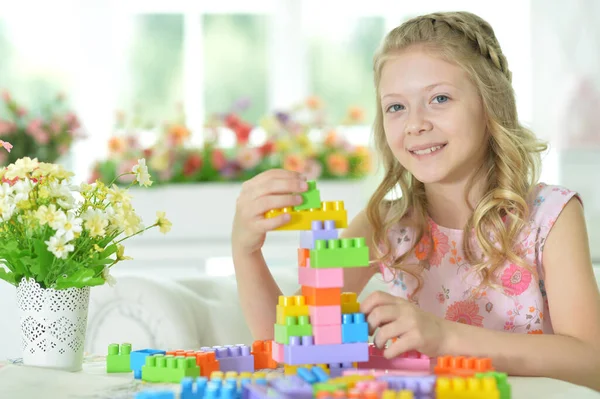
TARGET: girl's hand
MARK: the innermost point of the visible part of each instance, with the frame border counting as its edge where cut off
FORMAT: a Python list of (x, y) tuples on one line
[(272, 189), (397, 318)]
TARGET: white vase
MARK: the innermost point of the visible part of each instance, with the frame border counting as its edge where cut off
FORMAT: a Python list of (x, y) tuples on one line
[(53, 324)]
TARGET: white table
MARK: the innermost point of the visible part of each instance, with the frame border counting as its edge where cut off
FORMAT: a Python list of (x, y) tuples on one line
[(21, 382)]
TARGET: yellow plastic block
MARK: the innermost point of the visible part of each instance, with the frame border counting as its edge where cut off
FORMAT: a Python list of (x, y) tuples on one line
[(217, 375), (466, 388), (293, 370), (291, 306), (349, 303), (302, 220)]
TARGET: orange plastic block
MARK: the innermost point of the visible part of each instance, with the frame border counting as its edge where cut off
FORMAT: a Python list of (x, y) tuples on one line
[(303, 255), (350, 303), (207, 362), (263, 358), (291, 306), (302, 220), (462, 366), (181, 352), (322, 296)]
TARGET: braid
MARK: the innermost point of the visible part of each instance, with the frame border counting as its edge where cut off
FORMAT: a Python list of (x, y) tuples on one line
[(478, 31)]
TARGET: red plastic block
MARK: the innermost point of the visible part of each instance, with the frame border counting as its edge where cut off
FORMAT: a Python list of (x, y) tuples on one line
[(325, 335), (277, 352), (462, 366), (411, 361), (263, 357), (303, 256), (302, 350), (321, 278), (322, 296), (325, 315)]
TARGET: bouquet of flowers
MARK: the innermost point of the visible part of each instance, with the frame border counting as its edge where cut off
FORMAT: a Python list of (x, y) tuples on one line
[(62, 235), (46, 135), (297, 140)]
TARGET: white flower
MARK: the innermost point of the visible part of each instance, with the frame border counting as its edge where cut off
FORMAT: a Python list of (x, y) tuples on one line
[(62, 192), (6, 190), (21, 190), (7, 208), (96, 222), (118, 195), (141, 173), (107, 277), (68, 226), (48, 214), (59, 246), (21, 168)]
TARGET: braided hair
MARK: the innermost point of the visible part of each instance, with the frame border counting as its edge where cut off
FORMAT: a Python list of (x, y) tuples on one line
[(512, 166)]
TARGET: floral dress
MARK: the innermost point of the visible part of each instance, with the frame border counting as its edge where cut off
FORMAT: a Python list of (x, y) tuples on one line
[(449, 290)]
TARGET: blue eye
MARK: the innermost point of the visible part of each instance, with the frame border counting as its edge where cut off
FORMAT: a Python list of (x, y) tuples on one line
[(395, 108), (441, 98)]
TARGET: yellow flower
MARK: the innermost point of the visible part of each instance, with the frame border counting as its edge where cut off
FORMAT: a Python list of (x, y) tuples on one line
[(141, 173), (21, 168), (51, 170), (121, 253), (162, 222), (97, 248), (47, 214), (118, 195)]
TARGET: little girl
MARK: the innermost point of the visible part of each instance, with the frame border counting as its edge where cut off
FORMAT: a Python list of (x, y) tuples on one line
[(473, 241)]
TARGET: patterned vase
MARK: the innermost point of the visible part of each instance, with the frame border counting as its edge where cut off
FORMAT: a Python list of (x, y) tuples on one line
[(53, 324)]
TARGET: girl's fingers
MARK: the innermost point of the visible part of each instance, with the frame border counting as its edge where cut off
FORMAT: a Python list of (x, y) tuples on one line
[(377, 298), (265, 225), (382, 315), (389, 331), (407, 341), (265, 204)]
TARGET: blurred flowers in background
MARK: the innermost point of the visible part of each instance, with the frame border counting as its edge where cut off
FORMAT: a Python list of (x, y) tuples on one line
[(300, 139), (46, 134)]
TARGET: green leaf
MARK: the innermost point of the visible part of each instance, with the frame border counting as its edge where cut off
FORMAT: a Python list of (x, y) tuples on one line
[(9, 277), (108, 251), (44, 259), (81, 278)]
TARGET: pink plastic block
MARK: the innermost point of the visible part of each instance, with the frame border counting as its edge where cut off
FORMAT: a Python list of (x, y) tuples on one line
[(411, 360), (277, 352), (383, 373), (325, 335), (320, 278), (325, 315), (302, 350)]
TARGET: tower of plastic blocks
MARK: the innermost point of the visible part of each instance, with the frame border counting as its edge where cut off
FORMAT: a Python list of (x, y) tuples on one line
[(323, 325)]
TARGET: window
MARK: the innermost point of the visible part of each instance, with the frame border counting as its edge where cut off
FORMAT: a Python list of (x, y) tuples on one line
[(235, 63)]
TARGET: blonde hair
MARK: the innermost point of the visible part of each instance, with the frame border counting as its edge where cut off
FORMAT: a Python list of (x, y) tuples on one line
[(512, 165)]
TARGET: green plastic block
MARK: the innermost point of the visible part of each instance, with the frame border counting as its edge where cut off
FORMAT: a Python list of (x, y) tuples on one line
[(311, 198), (341, 253), (294, 327), (329, 387), (118, 358), (169, 368), (501, 382)]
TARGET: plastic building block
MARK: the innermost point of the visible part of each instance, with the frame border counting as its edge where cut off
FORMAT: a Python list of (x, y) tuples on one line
[(343, 383), (327, 334), (403, 394), (471, 388), (302, 220), (350, 303), (303, 256), (277, 352), (294, 326), (168, 368), (319, 231), (312, 375), (262, 352), (311, 198), (118, 358), (193, 388), (321, 278), (293, 369), (421, 386), (337, 369), (291, 306), (154, 394), (234, 358), (361, 388), (303, 351), (462, 366), (138, 359), (411, 360), (322, 296), (292, 387), (501, 382), (354, 328), (345, 252), (324, 315), (208, 363)]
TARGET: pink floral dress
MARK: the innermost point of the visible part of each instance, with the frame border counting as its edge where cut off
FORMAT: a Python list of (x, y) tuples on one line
[(449, 290)]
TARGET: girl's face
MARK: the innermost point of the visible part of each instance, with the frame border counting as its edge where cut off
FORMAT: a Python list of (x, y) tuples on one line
[(433, 117)]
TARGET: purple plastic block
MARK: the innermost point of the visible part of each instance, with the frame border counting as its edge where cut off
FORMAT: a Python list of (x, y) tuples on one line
[(319, 231), (292, 387), (337, 369), (422, 387), (232, 357), (255, 391), (302, 350)]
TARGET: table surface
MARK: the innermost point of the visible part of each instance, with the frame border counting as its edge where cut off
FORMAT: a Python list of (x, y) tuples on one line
[(18, 381)]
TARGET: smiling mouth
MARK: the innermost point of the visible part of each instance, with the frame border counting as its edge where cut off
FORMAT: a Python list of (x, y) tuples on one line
[(428, 151)]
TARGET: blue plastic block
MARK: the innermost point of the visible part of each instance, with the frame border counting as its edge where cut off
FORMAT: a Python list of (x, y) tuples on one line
[(313, 375), (155, 395), (354, 328), (138, 359), (193, 388), (319, 231)]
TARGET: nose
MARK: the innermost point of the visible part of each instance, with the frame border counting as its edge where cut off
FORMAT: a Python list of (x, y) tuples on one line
[(417, 123)]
